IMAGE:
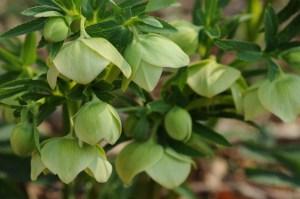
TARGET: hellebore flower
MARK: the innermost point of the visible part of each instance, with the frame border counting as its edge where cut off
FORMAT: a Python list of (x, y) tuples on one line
[(186, 36), (165, 166), (148, 54), (292, 56), (97, 121), (84, 59), (281, 96), (209, 78), (65, 158)]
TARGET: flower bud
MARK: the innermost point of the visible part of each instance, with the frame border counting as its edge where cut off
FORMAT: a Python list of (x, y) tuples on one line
[(178, 124), (22, 139), (186, 36), (56, 30), (97, 121), (292, 56)]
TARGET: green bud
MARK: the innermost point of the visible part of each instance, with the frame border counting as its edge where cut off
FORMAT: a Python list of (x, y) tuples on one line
[(178, 124), (22, 139), (56, 29), (292, 56), (97, 121), (186, 36)]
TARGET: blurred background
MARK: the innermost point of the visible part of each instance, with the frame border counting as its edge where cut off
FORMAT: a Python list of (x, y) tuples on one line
[(244, 171)]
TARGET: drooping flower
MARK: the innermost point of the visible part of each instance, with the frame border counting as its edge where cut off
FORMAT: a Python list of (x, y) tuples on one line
[(148, 54)]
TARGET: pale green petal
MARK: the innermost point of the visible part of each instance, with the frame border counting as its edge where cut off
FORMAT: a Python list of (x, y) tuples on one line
[(281, 97), (109, 52), (252, 105), (37, 166), (237, 91), (52, 76), (147, 76), (79, 62), (136, 158), (169, 172), (160, 51), (66, 158), (97, 121), (100, 169), (209, 78)]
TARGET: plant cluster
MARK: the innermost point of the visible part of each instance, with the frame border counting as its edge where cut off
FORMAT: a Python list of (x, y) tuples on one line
[(167, 80)]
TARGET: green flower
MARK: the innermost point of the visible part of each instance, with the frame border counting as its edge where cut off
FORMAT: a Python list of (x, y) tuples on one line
[(209, 78), (178, 124), (56, 29), (165, 166), (281, 96), (148, 54), (97, 121), (186, 36), (84, 59), (22, 139), (66, 158)]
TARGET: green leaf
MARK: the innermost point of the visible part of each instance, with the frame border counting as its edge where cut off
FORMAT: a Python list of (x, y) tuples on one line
[(237, 45), (136, 158), (198, 143), (29, 50), (13, 61), (272, 178), (25, 28), (155, 5), (37, 10), (290, 31), (281, 96), (210, 135), (208, 78), (290, 159), (170, 171), (271, 28)]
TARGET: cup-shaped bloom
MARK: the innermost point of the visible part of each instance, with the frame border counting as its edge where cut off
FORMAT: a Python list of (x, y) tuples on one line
[(148, 54), (186, 36), (56, 29), (165, 166), (22, 139), (84, 59), (97, 121), (281, 96), (66, 158), (209, 78), (178, 124), (292, 56)]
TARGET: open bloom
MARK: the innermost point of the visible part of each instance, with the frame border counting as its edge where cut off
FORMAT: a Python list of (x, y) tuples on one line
[(84, 59), (148, 54), (66, 158)]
